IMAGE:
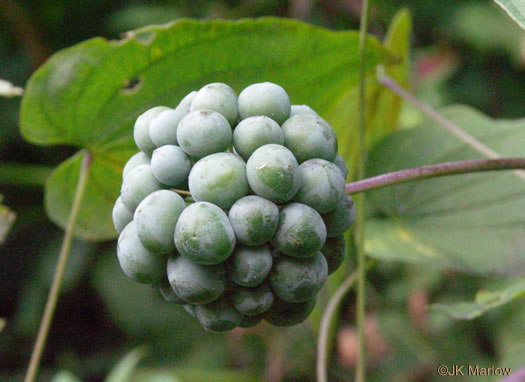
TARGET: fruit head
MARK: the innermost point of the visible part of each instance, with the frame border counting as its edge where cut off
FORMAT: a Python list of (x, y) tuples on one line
[(235, 207)]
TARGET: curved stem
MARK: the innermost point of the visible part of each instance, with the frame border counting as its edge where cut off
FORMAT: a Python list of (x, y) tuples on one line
[(433, 171), (324, 329), (181, 192), (360, 226), (52, 298)]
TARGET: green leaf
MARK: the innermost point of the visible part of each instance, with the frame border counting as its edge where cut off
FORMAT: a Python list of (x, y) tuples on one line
[(125, 369), (473, 223), (515, 9), (90, 94), (484, 301), (7, 217)]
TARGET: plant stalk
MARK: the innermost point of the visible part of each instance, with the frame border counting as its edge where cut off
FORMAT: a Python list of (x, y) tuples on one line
[(324, 329), (434, 171), (360, 373), (52, 298)]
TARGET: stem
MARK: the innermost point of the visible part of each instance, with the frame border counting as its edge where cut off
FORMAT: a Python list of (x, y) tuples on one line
[(433, 171), (181, 192), (52, 298), (359, 232), (324, 329), (439, 118)]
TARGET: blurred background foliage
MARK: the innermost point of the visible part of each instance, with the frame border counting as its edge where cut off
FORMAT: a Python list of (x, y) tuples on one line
[(465, 52)]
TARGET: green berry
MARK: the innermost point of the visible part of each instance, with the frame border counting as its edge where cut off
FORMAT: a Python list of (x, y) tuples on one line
[(272, 173), (170, 165), (323, 185), (252, 301), (334, 251), (301, 231), (254, 132), (163, 128), (217, 97), (156, 217), (138, 183), (137, 262), (194, 283), (218, 316), (301, 109), (254, 220), (219, 179), (204, 132), (141, 129), (298, 280), (266, 99), (340, 162), (136, 160), (249, 266), (284, 313), (121, 215), (204, 234), (339, 220), (168, 294), (309, 136), (250, 321)]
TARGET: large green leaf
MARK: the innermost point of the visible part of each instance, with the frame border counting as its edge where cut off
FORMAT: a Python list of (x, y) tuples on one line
[(89, 95), (484, 301), (473, 223), (515, 9)]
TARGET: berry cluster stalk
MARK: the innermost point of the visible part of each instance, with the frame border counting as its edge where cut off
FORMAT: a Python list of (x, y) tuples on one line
[(51, 302), (434, 171)]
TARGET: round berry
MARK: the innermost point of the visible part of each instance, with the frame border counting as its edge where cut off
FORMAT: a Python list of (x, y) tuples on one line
[(301, 231), (266, 99), (309, 136), (204, 132), (252, 301), (194, 283), (254, 132), (272, 173), (254, 219), (250, 321), (301, 109), (141, 129), (284, 313), (170, 165), (339, 220), (298, 280), (322, 186), (217, 97), (334, 251), (163, 128), (156, 217), (168, 294), (138, 183), (137, 262), (121, 215), (249, 266), (136, 160), (218, 316), (219, 179), (340, 162), (204, 234)]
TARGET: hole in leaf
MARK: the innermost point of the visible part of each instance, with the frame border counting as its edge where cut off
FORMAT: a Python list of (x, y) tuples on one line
[(132, 85)]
